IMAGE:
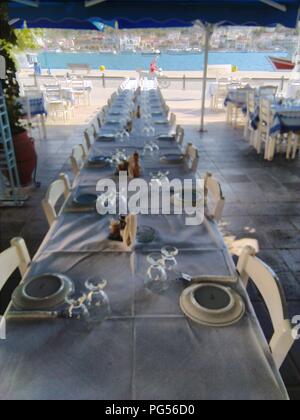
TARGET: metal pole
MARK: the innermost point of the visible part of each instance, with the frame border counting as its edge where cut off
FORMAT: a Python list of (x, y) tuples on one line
[(208, 33)]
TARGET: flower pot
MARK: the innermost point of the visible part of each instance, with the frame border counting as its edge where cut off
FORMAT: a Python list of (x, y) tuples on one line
[(25, 157)]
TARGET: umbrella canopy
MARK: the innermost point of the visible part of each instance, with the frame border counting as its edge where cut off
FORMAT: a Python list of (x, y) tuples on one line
[(90, 14), (154, 13)]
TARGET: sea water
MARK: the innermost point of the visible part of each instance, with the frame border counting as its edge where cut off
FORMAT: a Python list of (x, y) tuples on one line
[(245, 61)]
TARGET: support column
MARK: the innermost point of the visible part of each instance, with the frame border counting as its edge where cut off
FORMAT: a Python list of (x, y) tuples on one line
[(209, 29)]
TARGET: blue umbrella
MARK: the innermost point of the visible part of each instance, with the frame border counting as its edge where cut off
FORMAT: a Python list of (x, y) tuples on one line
[(88, 14)]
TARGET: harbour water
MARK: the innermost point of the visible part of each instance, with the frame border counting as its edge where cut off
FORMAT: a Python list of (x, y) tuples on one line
[(245, 61)]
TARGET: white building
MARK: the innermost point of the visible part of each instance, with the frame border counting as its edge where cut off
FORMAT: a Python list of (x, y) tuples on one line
[(129, 42)]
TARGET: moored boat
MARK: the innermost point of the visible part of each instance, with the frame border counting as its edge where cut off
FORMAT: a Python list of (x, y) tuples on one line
[(282, 63)]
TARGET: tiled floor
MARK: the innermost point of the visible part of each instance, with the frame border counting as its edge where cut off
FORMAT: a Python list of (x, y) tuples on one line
[(262, 203), (262, 209)]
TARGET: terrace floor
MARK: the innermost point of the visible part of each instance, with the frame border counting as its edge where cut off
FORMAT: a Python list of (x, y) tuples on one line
[(262, 200)]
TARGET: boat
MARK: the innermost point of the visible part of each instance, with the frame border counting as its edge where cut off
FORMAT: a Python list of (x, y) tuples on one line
[(151, 52), (282, 63)]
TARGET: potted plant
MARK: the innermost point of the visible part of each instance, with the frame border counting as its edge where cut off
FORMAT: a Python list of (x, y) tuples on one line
[(24, 146)]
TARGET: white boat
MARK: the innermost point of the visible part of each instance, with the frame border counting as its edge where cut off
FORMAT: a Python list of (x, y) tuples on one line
[(151, 52)]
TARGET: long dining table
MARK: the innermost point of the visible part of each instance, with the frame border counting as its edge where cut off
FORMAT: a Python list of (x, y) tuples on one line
[(147, 349)]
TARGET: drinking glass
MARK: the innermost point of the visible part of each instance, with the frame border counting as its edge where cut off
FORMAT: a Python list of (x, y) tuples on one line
[(169, 253), (156, 279), (97, 300), (119, 136), (152, 130), (146, 131), (154, 145), (78, 314), (125, 134), (159, 177), (148, 150)]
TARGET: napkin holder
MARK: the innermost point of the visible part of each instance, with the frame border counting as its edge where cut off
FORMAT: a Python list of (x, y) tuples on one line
[(129, 233), (124, 231)]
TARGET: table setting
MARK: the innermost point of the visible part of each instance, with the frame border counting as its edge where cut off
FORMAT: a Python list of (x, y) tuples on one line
[(134, 306)]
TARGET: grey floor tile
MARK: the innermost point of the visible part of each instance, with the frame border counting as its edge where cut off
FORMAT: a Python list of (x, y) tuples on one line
[(291, 258), (288, 239)]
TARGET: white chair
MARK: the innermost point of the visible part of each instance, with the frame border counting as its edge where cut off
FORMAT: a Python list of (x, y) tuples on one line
[(31, 91), (246, 81), (89, 134), (31, 122), (77, 158), (79, 90), (214, 199), (99, 119), (13, 258), (265, 116), (179, 135), (172, 120), (57, 109), (192, 157), (293, 145), (249, 132), (268, 91), (58, 189), (220, 95), (251, 267), (53, 84), (237, 111)]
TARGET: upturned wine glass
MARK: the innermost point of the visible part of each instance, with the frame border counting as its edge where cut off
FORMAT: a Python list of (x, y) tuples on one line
[(97, 300), (156, 279)]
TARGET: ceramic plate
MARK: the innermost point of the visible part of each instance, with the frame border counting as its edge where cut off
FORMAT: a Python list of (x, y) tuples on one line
[(107, 137), (86, 199), (145, 234), (99, 160), (166, 138), (162, 122), (212, 304), (173, 158), (43, 292), (112, 122)]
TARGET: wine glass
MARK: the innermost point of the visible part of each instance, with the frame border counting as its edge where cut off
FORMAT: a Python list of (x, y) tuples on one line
[(148, 150), (152, 131), (97, 300), (77, 311), (154, 145), (157, 279), (119, 136), (169, 253), (146, 131)]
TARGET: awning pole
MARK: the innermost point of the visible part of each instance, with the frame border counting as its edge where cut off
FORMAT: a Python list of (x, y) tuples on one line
[(209, 29)]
